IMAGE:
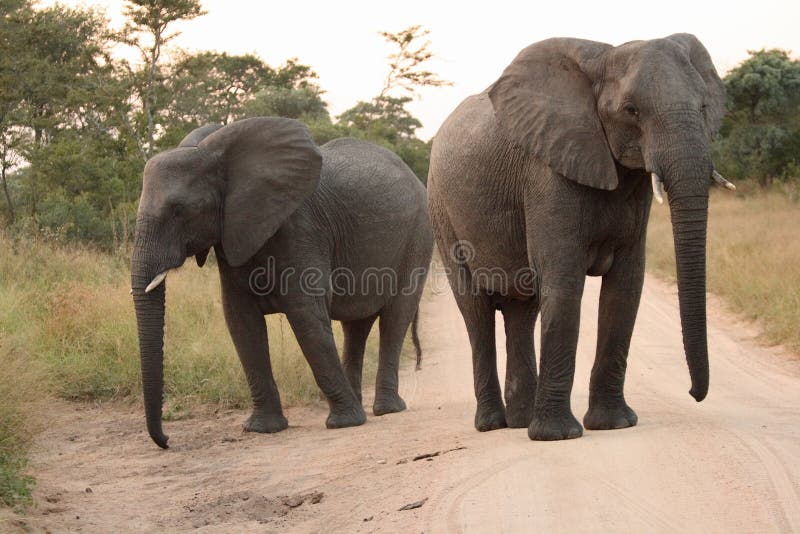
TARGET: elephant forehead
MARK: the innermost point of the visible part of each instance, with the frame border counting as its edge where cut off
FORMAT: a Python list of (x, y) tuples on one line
[(172, 172), (172, 163), (660, 68), (179, 166)]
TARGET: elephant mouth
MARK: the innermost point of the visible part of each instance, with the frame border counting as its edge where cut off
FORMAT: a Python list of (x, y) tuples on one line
[(631, 157), (162, 271)]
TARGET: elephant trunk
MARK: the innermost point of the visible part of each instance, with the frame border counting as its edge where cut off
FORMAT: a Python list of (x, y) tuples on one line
[(689, 219), (150, 322), (687, 181)]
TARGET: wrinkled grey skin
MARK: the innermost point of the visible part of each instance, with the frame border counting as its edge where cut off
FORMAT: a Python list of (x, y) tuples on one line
[(549, 169), (261, 193)]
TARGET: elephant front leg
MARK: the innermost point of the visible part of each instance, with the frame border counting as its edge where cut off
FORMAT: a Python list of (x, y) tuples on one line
[(248, 331), (619, 302), (313, 331), (560, 312)]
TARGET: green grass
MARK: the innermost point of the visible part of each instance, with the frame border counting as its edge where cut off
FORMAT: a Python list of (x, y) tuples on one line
[(18, 409), (67, 327), (753, 257)]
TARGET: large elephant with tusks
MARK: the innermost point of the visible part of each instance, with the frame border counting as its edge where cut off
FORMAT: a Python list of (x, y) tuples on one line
[(551, 172)]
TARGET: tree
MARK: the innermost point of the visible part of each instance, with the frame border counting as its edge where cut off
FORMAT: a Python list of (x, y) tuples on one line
[(294, 75), (210, 87), (766, 84), (405, 65), (11, 17), (760, 137), (385, 119), (77, 124), (304, 103), (146, 30), (8, 160), (52, 59)]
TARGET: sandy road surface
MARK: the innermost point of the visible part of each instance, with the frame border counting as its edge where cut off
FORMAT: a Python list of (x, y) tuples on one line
[(731, 463)]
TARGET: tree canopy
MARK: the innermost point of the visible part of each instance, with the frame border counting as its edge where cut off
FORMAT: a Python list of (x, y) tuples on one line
[(77, 123), (760, 137)]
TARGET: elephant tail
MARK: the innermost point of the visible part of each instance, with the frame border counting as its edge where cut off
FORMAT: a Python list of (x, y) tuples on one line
[(415, 339)]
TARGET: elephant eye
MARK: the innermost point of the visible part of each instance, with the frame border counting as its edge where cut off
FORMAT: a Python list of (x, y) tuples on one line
[(631, 110), (177, 210)]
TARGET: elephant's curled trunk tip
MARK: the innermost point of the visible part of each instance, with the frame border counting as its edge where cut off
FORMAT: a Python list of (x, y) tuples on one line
[(159, 437)]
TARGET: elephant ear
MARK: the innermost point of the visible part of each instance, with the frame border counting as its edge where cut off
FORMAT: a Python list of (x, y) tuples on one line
[(701, 61), (194, 137), (544, 102), (269, 167)]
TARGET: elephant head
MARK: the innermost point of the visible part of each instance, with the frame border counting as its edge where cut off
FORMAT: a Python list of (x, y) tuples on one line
[(586, 108), (231, 186)]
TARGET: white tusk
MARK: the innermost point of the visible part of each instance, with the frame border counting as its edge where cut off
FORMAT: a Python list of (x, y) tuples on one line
[(722, 181), (156, 282), (131, 293), (658, 188)]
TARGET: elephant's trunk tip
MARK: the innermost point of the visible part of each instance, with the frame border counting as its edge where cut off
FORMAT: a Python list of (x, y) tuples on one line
[(159, 438), (700, 377), (699, 392)]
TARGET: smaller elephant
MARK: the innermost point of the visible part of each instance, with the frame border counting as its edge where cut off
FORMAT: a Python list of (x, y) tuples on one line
[(317, 233)]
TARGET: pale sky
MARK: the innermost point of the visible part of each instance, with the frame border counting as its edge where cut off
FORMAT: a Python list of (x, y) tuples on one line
[(472, 41)]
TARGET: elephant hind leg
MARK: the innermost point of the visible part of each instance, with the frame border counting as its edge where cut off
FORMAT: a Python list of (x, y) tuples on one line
[(394, 322), (315, 337), (479, 317), (520, 391), (355, 341)]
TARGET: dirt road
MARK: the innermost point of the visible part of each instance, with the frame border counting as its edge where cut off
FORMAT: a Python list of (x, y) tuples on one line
[(731, 463)]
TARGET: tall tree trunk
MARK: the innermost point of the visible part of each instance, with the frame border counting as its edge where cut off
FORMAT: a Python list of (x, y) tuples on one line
[(149, 104), (11, 214)]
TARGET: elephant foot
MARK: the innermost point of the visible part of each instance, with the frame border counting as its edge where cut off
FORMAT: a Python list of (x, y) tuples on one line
[(265, 423), (609, 416), (490, 416), (388, 403), (554, 426), (519, 414), (343, 417)]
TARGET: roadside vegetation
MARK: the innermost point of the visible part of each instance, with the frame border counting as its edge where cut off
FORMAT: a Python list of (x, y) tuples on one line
[(68, 330)]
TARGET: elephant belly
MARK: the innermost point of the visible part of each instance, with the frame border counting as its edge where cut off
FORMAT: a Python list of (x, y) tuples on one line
[(513, 279), (353, 307)]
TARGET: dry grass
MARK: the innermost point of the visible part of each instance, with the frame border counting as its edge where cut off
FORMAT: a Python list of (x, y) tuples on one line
[(753, 257), (67, 327), (18, 421)]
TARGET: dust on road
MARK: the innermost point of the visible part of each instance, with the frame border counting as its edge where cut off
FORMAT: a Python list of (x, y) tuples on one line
[(730, 463)]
